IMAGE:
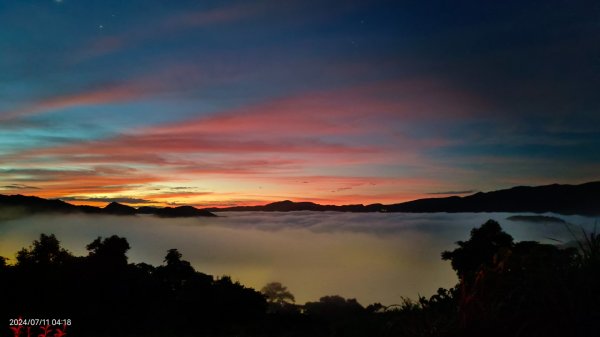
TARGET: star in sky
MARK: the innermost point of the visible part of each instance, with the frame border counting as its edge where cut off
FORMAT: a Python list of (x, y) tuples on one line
[(228, 96)]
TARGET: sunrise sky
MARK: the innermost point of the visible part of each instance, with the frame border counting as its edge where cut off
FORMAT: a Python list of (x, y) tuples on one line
[(214, 103)]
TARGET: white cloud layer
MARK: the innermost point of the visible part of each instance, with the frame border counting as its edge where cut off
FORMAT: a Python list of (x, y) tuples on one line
[(374, 257)]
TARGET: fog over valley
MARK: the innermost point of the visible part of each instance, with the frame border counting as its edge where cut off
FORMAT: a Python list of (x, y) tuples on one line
[(373, 257)]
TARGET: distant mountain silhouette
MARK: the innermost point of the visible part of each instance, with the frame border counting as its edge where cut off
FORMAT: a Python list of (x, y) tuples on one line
[(118, 209), (288, 206), (36, 205), (563, 199), (40, 205), (537, 219), (174, 212)]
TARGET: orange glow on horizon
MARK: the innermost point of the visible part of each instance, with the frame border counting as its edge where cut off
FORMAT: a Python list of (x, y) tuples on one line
[(223, 201)]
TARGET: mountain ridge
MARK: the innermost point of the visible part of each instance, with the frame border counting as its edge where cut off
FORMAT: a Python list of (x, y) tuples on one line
[(37, 205), (563, 199), (581, 199)]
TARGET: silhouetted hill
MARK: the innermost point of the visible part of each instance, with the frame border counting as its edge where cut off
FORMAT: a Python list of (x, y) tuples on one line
[(288, 206), (174, 212), (536, 219), (35, 205), (118, 209), (565, 199)]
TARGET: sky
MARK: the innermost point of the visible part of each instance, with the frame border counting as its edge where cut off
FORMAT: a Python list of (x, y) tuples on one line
[(218, 103)]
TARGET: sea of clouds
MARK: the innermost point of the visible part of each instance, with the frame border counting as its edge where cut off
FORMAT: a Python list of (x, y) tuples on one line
[(374, 257)]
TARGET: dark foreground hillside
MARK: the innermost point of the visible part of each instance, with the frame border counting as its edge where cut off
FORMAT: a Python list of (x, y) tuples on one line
[(506, 288)]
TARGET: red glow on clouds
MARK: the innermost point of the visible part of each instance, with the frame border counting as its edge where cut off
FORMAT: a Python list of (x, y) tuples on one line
[(99, 96), (303, 147)]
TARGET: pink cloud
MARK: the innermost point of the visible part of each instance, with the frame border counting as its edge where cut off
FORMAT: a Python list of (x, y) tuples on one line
[(160, 81), (106, 95), (249, 168), (166, 27), (354, 110), (220, 15), (321, 127), (175, 195), (276, 142), (56, 184), (170, 144)]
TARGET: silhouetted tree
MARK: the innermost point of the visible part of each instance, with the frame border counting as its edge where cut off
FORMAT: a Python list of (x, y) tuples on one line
[(524, 288), (333, 306), (176, 272), (279, 298), (173, 257), (480, 249), (506, 289), (110, 251), (176, 265), (43, 252), (106, 296), (343, 317), (145, 269), (277, 293)]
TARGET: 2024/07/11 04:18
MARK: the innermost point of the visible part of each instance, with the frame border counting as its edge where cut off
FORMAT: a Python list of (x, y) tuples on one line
[(26, 327), (38, 321)]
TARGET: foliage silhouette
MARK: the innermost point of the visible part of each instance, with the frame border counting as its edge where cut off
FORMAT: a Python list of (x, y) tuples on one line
[(107, 296), (480, 249), (505, 288), (279, 298), (277, 293), (111, 251), (524, 288), (45, 251)]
